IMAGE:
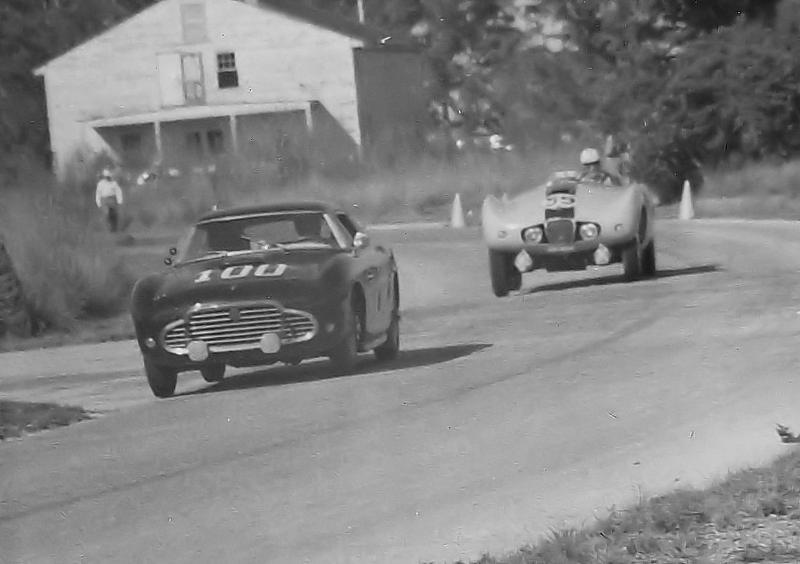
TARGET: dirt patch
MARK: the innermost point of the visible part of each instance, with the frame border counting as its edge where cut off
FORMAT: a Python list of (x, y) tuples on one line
[(18, 418)]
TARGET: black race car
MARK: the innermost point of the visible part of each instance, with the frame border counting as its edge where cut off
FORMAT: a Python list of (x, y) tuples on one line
[(258, 285)]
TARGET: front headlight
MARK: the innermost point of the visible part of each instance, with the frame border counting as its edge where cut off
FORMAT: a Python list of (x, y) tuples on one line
[(589, 231), (533, 235)]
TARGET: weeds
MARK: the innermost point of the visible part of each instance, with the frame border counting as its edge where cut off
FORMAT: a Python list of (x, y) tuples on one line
[(674, 527), (411, 191), (64, 257), (18, 417)]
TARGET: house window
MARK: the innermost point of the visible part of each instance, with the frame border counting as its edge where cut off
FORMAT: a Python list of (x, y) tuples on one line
[(131, 143), (227, 75), (194, 145), (216, 141), (193, 22)]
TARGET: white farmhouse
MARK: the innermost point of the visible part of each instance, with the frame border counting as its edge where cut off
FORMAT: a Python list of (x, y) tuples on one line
[(184, 81)]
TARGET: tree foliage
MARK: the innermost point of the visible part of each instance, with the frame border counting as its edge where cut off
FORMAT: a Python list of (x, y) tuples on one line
[(682, 81)]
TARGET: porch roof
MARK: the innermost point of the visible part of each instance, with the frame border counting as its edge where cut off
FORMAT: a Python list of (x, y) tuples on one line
[(183, 113)]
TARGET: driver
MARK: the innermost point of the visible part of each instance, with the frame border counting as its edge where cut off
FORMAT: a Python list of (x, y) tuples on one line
[(309, 226), (593, 170)]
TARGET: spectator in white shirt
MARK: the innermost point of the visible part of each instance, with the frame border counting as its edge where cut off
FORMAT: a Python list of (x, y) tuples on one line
[(108, 198)]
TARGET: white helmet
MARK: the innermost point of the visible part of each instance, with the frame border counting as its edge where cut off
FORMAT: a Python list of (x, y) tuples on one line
[(590, 156)]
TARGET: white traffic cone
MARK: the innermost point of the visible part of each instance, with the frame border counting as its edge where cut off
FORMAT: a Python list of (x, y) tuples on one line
[(687, 208), (457, 215)]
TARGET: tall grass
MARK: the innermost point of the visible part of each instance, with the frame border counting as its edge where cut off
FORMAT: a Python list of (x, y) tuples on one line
[(419, 190), (757, 180), (754, 190), (61, 252)]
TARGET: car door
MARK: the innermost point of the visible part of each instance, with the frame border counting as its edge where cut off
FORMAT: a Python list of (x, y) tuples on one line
[(374, 264)]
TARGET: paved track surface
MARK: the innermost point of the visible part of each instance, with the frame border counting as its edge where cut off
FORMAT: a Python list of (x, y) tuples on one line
[(501, 419)]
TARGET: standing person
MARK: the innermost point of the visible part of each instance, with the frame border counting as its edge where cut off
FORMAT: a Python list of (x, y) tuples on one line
[(108, 198)]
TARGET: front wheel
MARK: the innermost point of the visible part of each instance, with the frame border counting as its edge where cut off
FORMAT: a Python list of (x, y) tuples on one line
[(649, 259), (505, 277), (162, 379), (390, 349), (344, 356), (213, 372), (631, 262)]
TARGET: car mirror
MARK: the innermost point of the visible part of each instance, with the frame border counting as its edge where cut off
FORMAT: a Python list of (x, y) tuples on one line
[(360, 241)]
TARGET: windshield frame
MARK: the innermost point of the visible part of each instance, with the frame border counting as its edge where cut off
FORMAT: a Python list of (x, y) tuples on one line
[(340, 234)]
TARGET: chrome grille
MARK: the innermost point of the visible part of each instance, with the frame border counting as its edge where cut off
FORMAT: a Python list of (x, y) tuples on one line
[(239, 328), (560, 231), (175, 337)]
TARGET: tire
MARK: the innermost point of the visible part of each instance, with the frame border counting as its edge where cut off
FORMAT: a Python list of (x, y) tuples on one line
[(344, 356), (631, 262), (213, 372), (649, 259), (162, 379), (390, 349), (505, 277)]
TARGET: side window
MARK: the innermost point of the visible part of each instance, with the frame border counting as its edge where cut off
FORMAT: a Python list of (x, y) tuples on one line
[(348, 223)]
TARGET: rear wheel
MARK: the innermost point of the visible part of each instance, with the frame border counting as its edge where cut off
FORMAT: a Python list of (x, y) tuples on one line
[(505, 277), (344, 356), (631, 262), (162, 379), (213, 372), (649, 259)]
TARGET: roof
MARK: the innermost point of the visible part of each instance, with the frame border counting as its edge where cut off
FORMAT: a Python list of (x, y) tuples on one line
[(292, 8), (326, 19), (291, 206)]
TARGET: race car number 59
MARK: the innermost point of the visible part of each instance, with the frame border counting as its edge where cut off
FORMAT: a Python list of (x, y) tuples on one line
[(242, 271), (559, 202)]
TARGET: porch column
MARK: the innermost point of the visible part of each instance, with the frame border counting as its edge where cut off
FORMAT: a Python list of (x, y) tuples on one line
[(159, 145), (309, 118), (234, 134)]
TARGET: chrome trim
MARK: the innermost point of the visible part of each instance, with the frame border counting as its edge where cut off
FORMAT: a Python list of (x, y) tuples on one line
[(287, 320)]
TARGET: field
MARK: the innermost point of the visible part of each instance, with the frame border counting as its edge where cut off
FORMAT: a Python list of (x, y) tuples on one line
[(77, 279)]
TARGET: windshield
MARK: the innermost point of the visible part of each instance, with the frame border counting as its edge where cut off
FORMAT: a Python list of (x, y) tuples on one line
[(260, 232)]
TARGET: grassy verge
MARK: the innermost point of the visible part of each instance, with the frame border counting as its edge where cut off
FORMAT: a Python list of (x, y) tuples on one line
[(752, 516), (67, 262), (17, 417), (755, 191)]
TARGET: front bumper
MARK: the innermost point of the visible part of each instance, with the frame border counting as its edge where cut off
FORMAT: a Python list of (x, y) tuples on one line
[(233, 333)]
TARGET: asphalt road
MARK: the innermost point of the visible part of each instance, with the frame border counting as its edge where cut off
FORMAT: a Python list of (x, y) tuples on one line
[(501, 419)]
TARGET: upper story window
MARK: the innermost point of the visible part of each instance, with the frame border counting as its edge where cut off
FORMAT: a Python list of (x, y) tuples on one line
[(193, 22), (227, 75)]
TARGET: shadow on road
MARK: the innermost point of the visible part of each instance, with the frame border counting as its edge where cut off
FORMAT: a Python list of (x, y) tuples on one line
[(321, 369), (619, 279)]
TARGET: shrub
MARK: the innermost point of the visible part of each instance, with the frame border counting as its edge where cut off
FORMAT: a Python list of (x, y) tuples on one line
[(63, 256)]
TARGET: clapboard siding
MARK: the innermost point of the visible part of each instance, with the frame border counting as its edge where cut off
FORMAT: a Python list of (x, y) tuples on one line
[(279, 58)]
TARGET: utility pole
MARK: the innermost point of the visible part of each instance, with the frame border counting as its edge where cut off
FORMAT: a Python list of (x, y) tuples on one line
[(360, 4)]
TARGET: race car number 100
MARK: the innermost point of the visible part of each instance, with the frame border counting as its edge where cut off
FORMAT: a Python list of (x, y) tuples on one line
[(242, 271)]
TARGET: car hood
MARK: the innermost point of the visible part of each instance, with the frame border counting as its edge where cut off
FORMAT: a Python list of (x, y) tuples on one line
[(274, 275), (592, 202)]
